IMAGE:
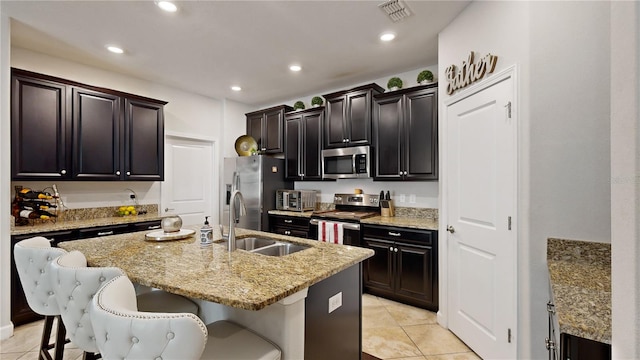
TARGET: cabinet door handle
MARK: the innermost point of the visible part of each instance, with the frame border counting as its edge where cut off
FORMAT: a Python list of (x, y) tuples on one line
[(288, 221), (394, 233), (287, 232), (104, 233), (128, 173), (153, 227), (118, 172), (400, 173), (390, 248), (167, 209), (63, 171), (395, 250), (405, 172), (264, 149)]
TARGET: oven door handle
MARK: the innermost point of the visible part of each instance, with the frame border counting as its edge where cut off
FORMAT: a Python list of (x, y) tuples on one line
[(346, 226)]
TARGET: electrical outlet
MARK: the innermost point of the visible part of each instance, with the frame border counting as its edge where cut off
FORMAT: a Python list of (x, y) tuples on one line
[(402, 198), (412, 198), (335, 302)]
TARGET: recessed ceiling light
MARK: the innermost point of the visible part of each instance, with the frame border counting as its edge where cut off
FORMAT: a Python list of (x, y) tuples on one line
[(295, 68), (167, 6), (388, 36), (115, 49), (236, 88)]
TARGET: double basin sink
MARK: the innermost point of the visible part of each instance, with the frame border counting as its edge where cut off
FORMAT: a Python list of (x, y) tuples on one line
[(269, 247)]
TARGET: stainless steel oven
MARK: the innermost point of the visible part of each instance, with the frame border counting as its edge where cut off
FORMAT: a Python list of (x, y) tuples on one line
[(349, 210)]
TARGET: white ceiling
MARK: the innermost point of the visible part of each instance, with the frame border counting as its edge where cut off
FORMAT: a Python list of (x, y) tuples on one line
[(207, 46)]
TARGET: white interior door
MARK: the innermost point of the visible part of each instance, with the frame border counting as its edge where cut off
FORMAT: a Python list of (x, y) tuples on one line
[(481, 209), (188, 188)]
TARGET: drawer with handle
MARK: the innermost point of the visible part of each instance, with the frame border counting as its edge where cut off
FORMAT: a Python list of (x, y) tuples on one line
[(104, 231), (423, 237)]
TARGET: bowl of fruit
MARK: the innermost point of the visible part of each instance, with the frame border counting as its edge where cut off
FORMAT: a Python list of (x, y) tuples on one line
[(127, 210)]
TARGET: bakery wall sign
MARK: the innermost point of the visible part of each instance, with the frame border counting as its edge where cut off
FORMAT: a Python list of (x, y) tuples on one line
[(470, 71)]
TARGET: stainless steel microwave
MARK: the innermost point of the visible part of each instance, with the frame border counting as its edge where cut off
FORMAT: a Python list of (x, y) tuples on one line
[(346, 163)]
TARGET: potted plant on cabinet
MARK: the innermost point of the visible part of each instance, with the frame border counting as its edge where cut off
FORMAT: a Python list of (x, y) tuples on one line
[(316, 101), (299, 105), (394, 83), (425, 77)]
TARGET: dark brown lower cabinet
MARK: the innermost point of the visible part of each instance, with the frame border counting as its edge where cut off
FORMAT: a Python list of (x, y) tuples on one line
[(289, 225), (577, 348), (404, 266), (21, 313)]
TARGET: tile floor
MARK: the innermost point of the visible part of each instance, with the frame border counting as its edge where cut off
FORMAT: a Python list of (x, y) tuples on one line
[(390, 330)]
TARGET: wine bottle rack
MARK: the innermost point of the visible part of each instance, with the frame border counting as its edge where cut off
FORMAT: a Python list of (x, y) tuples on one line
[(48, 206)]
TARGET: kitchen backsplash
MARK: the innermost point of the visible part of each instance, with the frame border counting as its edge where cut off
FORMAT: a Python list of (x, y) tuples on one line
[(95, 213)]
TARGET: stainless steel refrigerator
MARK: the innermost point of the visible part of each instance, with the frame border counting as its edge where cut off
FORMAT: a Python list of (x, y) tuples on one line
[(257, 177)]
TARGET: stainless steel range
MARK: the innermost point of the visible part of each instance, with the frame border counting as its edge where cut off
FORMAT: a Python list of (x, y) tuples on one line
[(349, 210)]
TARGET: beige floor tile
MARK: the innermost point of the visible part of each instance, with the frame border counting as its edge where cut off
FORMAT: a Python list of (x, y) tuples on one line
[(25, 338), (16, 355), (376, 316), (435, 340), (389, 342), (370, 300), (458, 356), (410, 315)]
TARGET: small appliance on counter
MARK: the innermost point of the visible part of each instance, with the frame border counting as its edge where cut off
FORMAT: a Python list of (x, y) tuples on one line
[(296, 200)]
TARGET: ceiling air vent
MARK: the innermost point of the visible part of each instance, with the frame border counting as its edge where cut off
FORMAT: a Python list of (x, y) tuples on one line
[(396, 10)]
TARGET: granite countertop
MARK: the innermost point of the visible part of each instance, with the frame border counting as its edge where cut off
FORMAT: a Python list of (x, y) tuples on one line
[(240, 279), (401, 221), (80, 224), (414, 222), (305, 214), (580, 275)]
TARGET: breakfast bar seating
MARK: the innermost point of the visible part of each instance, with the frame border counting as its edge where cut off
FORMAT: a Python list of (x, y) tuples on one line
[(32, 258), (123, 332)]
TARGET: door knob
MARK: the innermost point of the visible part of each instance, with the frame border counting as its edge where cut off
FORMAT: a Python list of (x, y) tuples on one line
[(451, 229)]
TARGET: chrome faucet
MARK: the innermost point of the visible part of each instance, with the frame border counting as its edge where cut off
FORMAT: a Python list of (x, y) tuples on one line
[(232, 217)]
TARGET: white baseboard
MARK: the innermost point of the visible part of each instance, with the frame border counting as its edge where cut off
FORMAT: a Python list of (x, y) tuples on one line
[(6, 331)]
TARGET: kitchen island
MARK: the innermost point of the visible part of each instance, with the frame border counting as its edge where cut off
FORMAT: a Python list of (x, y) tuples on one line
[(264, 293)]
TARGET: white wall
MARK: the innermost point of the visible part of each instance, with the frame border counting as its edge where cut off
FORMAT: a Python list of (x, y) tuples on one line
[(502, 29), (625, 179), (6, 328), (563, 111), (425, 192), (186, 113)]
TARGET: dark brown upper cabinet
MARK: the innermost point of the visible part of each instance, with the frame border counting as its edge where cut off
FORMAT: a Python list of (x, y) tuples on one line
[(303, 144), (40, 129), (83, 132), (405, 134), (348, 121), (266, 126)]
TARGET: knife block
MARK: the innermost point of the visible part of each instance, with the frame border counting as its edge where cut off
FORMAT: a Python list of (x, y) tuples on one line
[(387, 209)]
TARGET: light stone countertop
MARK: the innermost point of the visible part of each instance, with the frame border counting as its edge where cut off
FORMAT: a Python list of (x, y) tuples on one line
[(423, 223), (580, 275), (400, 221), (81, 224), (240, 279)]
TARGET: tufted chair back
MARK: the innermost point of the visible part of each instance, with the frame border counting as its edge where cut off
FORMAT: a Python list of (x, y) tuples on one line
[(74, 286), (122, 332), (32, 257)]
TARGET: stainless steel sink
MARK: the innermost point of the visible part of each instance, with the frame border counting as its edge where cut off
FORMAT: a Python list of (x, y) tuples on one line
[(252, 243), (280, 249)]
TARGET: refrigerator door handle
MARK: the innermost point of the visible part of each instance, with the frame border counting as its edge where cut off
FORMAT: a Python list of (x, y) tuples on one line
[(236, 182)]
